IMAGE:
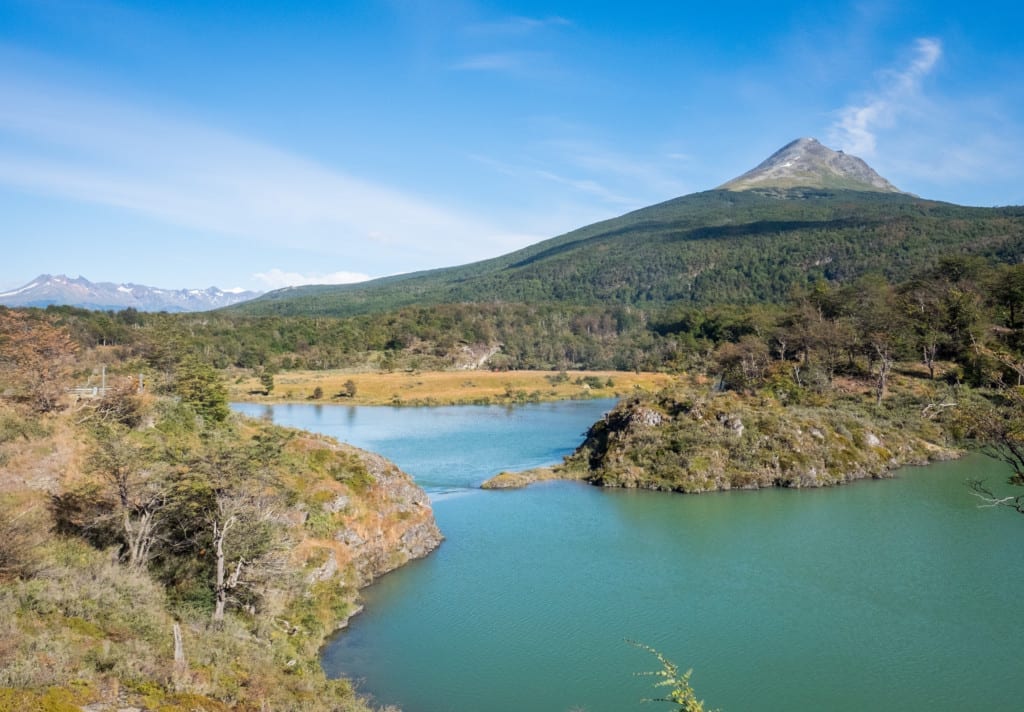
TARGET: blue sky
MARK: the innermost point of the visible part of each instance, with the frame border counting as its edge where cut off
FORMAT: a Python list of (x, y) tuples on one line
[(259, 144)]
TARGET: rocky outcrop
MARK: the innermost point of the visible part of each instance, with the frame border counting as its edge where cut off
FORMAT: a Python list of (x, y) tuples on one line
[(394, 525), (682, 442), (470, 357), (379, 518)]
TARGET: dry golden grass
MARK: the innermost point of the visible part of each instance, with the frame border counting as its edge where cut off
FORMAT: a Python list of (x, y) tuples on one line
[(445, 387)]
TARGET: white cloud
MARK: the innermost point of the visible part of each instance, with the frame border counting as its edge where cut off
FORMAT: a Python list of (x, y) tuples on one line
[(56, 141), (856, 128), (954, 141), (515, 30), (277, 278)]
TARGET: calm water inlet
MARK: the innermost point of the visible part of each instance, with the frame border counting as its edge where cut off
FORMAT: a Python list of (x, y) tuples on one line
[(885, 595)]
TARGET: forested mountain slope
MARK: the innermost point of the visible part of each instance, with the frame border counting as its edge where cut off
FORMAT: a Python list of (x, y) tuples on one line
[(751, 241), (706, 248)]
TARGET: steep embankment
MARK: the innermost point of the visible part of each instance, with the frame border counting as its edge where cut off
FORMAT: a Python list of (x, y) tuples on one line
[(308, 521), (689, 440), (375, 523)]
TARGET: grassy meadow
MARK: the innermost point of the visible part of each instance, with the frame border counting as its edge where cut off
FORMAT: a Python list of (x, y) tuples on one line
[(443, 387)]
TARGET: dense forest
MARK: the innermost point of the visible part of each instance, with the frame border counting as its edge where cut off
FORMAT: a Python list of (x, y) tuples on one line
[(942, 313), (840, 383)]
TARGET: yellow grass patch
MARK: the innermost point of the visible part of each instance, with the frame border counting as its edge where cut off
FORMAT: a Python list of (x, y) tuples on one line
[(445, 387)]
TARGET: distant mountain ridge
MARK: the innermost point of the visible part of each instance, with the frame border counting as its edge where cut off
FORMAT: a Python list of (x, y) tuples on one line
[(806, 163), (46, 290)]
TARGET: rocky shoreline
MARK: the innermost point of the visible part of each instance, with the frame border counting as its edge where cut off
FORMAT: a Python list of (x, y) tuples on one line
[(388, 524), (680, 441)]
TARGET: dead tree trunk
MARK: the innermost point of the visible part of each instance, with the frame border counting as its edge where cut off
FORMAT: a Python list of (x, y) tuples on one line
[(180, 674)]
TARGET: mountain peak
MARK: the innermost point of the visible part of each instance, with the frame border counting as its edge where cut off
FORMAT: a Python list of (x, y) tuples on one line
[(806, 163), (47, 289)]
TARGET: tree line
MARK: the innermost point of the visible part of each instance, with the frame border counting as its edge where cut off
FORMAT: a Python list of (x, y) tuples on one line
[(943, 314)]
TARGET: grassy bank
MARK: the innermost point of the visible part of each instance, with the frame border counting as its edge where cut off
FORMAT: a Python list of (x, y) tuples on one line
[(443, 387)]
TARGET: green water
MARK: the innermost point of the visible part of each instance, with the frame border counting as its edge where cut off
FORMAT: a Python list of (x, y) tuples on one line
[(886, 595)]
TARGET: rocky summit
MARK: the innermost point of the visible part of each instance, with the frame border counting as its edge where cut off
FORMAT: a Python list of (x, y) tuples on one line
[(806, 163)]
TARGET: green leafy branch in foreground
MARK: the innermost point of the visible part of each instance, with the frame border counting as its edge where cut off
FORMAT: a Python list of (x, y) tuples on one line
[(682, 693)]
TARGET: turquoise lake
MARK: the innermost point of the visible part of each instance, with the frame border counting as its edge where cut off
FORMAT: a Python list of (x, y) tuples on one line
[(881, 595)]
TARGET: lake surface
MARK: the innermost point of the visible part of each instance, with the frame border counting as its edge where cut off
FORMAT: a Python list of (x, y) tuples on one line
[(881, 595)]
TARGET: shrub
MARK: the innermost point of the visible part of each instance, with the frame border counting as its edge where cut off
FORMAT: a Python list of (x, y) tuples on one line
[(19, 537), (121, 404), (15, 427), (200, 386)]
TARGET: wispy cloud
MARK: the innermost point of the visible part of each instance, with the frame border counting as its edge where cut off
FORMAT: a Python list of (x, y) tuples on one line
[(857, 126), (56, 141), (644, 173), (587, 185), (498, 61), (511, 45), (591, 167), (941, 140), (517, 25), (277, 278), (618, 181)]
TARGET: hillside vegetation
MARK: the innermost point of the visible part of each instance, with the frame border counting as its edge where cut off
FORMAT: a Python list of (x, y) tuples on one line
[(647, 291), (711, 248), (159, 552), (845, 383)]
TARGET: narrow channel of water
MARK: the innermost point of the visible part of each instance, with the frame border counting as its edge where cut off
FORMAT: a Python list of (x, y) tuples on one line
[(449, 448), (891, 595)]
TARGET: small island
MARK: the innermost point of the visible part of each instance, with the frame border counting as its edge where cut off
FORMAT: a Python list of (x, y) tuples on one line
[(517, 480)]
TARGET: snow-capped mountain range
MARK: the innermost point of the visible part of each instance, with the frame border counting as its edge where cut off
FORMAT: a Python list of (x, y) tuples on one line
[(48, 289)]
